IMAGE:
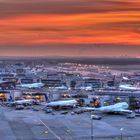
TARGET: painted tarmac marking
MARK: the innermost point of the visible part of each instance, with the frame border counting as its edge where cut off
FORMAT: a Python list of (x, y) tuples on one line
[(50, 129)]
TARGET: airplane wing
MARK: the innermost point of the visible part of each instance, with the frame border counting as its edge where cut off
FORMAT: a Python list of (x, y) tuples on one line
[(126, 111), (106, 110)]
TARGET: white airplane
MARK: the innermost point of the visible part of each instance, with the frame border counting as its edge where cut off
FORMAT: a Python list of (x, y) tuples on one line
[(59, 88), (116, 108), (125, 78), (23, 102), (33, 85), (59, 104), (128, 87), (87, 88)]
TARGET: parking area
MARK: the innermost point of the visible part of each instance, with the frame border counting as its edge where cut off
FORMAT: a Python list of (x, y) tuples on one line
[(37, 125)]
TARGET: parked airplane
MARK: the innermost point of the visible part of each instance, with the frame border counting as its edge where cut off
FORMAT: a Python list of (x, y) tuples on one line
[(23, 102), (128, 87), (33, 85), (116, 108), (60, 104), (87, 88), (59, 88), (125, 78)]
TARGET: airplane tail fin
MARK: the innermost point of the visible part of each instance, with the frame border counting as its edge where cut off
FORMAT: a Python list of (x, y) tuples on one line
[(47, 98)]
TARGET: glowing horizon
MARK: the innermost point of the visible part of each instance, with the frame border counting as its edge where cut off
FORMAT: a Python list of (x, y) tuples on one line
[(58, 22)]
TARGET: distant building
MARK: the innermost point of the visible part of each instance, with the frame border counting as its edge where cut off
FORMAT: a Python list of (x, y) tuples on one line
[(20, 71), (10, 79), (6, 75), (53, 83), (111, 83), (7, 85), (95, 83), (26, 81)]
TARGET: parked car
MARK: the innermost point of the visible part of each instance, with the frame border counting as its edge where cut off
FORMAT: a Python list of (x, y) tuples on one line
[(72, 113), (131, 115), (53, 113), (79, 112), (19, 107), (64, 112), (96, 117), (48, 110), (35, 109)]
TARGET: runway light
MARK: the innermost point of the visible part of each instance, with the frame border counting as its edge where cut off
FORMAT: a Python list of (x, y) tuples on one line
[(68, 130), (46, 132)]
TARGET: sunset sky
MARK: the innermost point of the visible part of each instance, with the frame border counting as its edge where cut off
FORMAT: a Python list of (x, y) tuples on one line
[(70, 28)]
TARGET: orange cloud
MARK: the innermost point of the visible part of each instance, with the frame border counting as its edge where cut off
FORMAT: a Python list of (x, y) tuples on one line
[(75, 29), (71, 22)]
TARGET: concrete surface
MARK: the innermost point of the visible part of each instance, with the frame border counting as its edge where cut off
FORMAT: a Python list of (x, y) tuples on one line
[(36, 125)]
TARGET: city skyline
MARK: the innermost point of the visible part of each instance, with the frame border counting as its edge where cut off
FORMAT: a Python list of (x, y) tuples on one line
[(70, 28)]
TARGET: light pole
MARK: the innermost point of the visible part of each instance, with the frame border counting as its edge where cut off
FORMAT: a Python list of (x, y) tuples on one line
[(92, 136), (121, 133)]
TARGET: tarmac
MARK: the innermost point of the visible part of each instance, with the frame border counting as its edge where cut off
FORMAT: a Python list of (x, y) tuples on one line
[(37, 125)]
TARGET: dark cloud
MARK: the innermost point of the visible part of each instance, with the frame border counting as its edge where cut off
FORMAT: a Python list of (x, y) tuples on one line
[(130, 26), (16, 8), (40, 29), (71, 50)]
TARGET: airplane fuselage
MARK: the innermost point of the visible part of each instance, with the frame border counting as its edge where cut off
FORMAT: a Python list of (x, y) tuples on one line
[(66, 103), (33, 85), (113, 108)]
